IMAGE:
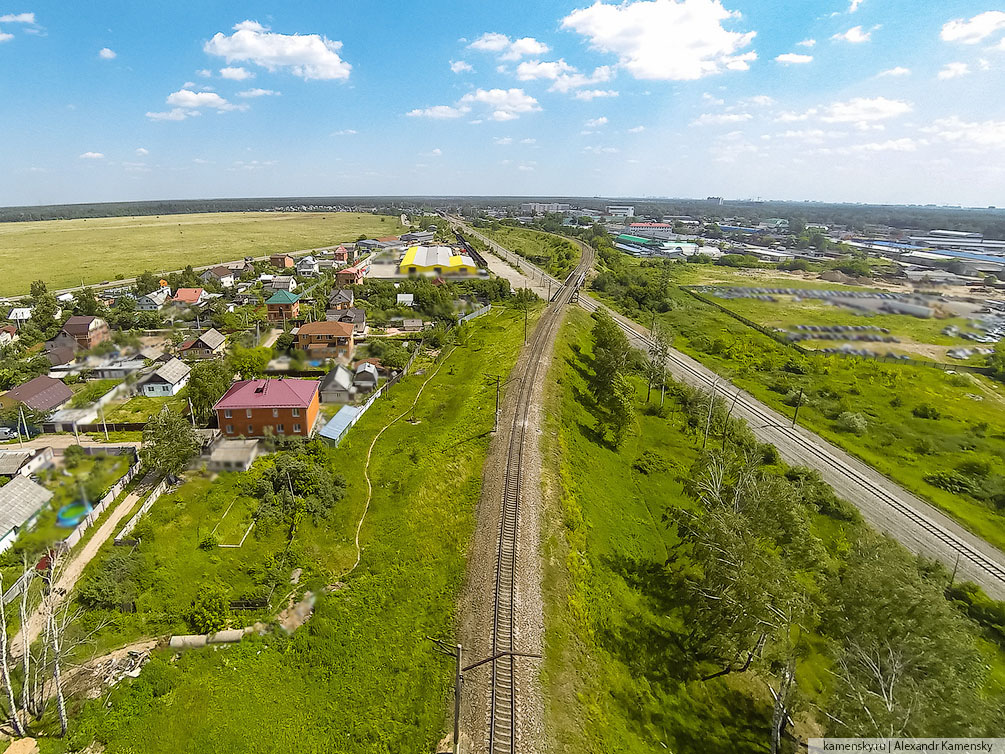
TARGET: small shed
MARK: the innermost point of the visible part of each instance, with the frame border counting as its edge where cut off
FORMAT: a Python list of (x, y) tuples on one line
[(366, 377), (336, 387)]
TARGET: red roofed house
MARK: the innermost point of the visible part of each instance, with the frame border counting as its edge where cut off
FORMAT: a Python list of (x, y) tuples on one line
[(342, 255), (255, 408), (351, 275), (189, 296), (325, 340), (87, 331)]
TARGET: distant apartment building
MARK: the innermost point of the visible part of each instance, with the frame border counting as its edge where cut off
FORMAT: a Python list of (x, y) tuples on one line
[(716, 200), (541, 207), (620, 210), (256, 408)]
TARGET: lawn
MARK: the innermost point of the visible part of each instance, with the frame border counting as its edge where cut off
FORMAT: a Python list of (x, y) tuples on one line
[(140, 408), (610, 676), (555, 254), (360, 676), (964, 435), (86, 393), (67, 253)]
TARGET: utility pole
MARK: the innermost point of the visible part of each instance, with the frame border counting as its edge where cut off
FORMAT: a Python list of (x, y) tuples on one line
[(526, 309), (191, 412), (799, 402), (104, 425)]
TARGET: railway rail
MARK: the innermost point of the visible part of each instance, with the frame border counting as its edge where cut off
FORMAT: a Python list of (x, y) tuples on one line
[(503, 690)]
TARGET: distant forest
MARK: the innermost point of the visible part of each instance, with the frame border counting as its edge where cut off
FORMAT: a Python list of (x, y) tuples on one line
[(989, 221)]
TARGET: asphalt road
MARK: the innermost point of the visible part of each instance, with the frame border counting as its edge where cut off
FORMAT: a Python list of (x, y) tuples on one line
[(885, 505)]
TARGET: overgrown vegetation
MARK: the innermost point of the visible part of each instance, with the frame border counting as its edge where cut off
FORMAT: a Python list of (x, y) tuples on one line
[(556, 255)]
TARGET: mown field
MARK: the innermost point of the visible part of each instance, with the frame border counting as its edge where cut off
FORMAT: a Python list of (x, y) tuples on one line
[(360, 676), (67, 253), (555, 254), (939, 435), (615, 675)]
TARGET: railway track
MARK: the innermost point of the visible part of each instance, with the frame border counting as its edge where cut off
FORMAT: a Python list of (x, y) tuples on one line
[(978, 562), (503, 689)]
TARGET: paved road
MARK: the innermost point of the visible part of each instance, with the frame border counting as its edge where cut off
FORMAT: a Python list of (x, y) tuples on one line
[(885, 505)]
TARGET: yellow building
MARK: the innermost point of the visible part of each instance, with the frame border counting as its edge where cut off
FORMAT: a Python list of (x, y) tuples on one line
[(436, 260)]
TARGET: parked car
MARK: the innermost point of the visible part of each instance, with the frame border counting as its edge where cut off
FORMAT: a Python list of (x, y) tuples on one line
[(6, 433)]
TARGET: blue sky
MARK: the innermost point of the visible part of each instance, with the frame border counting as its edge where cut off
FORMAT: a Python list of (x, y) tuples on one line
[(851, 100)]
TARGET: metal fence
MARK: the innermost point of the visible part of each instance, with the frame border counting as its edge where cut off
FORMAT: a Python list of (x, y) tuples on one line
[(468, 317)]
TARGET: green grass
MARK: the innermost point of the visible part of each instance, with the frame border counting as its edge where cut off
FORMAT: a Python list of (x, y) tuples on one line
[(65, 252), (555, 254), (360, 676), (86, 393), (899, 444), (140, 408)]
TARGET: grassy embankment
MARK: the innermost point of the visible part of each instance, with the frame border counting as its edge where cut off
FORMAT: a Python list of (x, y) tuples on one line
[(65, 253), (553, 253), (611, 677), (360, 676), (967, 439)]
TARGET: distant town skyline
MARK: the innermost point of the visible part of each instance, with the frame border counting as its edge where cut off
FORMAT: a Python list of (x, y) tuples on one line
[(866, 101)]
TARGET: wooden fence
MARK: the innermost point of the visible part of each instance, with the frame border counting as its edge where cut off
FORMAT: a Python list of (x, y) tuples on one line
[(155, 493)]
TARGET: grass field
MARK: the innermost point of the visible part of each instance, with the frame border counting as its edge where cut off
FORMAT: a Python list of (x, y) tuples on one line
[(360, 676), (65, 253), (553, 253), (610, 675), (140, 408)]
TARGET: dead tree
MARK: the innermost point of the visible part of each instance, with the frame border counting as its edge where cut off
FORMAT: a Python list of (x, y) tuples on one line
[(14, 719), (25, 643)]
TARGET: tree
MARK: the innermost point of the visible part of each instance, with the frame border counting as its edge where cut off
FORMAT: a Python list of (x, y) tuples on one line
[(210, 610), (997, 361), (207, 383), (659, 352), (298, 483), (251, 363), (146, 283), (169, 443), (611, 352), (86, 303), (622, 409)]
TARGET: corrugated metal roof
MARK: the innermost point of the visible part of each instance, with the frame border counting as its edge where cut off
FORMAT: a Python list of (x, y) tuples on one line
[(173, 372), (20, 499), (281, 393), (339, 423)]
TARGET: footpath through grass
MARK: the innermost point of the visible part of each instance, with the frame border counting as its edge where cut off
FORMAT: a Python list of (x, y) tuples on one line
[(360, 676), (65, 253), (557, 255), (615, 677)]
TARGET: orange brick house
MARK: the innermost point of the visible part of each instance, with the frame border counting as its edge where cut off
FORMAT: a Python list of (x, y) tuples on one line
[(325, 340), (256, 408), (282, 306)]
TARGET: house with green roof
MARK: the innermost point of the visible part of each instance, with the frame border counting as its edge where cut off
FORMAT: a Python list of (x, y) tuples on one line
[(282, 306)]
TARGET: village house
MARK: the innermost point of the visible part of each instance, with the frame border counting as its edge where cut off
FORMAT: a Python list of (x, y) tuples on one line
[(325, 340), (19, 315), (221, 274), (336, 386), (189, 297), (341, 298), (21, 501), (8, 334), (206, 346), (86, 330), (282, 306), (355, 317), (43, 393), (352, 275), (153, 301), (307, 267), (343, 255), (257, 408), (167, 380), (366, 377), (286, 283), (281, 260)]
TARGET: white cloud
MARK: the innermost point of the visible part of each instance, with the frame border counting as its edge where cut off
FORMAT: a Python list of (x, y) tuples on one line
[(854, 5), (508, 49), (505, 104), (142, 152), (309, 56), (258, 93), (528, 141), (636, 129), (177, 113), (893, 145), (5, 37), (953, 70), (204, 72), (759, 100), (439, 112), (345, 132), (810, 135), (855, 35), (898, 71), (18, 18), (793, 58), (436, 152), (718, 119), (677, 40), (106, 54), (973, 30), (591, 94), (564, 76), (502, 141), (595, 122), (459, 66), (806, 43), (864, 110), (529, 70), (984, 135), (192, 100), (525, 168), (236, 73), (602, 150), (92, 156)]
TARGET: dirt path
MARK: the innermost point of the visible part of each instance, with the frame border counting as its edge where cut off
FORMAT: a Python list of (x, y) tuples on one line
[(75, 566), (369, 452)]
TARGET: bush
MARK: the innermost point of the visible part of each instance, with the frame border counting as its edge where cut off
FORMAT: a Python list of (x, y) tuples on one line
[(924, 447), (210, 611), (209, 542), (951, 481), (979, 607), (852, 422), (73, 455), (924, 411), (651, 463), (975, 467)]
